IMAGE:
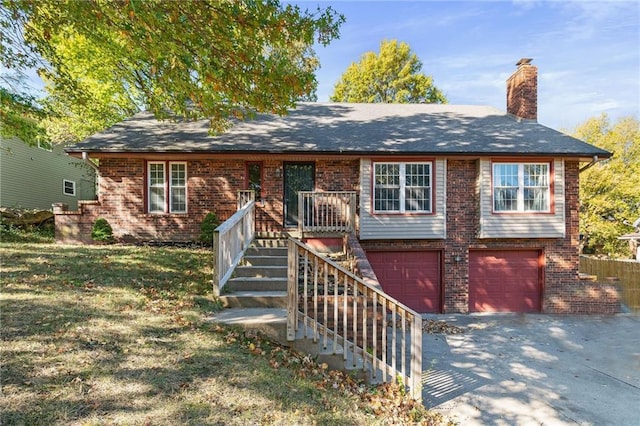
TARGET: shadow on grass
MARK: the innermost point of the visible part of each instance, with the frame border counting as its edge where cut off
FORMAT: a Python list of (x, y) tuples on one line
[(105, 335)]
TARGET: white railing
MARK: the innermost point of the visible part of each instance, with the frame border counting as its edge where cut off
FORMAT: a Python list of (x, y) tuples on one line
[(326, 212), (335, 308), (230, 240)]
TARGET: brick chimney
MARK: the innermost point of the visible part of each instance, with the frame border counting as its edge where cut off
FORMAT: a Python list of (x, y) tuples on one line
[(522, 91)]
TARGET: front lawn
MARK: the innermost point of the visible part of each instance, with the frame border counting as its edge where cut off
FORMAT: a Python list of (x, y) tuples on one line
[(117, 335)]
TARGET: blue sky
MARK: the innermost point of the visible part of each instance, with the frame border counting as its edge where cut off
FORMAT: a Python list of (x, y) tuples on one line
[(587, 52)]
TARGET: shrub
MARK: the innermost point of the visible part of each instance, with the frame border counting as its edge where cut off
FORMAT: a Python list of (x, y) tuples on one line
[(102, 231), (209, 224)]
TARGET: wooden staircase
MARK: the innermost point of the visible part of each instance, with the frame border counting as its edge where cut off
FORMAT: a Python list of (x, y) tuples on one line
[(255, 298)]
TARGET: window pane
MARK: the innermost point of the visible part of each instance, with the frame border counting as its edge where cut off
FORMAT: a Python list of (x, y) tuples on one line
[(69, 187), (417, 199), (178, 175), (178, 200), (505, 175), (387, 199), (387, 174), (535, 199), (536, 175), (178, 188), (505, 199), (156, 199)]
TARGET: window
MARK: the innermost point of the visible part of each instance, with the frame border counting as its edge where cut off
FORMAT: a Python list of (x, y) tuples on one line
[(402, 187), (68, 187), (254, 179), (167, 191), (521, 187)]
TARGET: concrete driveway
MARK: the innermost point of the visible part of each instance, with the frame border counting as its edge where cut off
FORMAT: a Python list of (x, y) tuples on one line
[(511, 369)]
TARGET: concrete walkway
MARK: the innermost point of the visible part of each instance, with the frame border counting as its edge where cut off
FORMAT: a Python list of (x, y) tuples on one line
[(510, 369)]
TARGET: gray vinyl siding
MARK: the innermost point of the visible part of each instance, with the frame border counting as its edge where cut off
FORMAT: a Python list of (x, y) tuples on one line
[(401, 226), (521, 225), (33, 178)]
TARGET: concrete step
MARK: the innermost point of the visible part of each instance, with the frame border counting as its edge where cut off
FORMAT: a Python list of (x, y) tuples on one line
[(270, 321), (256, 284), (255, 299), (260, 271), (264, 261)]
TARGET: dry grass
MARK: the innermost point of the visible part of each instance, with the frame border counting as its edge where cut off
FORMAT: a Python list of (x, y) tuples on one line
[(98, 335)]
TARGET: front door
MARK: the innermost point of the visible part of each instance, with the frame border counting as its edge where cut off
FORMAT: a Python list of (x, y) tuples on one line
[(297, 177)]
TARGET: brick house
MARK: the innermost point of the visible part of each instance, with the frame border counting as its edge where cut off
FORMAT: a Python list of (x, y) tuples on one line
[(460, 208)]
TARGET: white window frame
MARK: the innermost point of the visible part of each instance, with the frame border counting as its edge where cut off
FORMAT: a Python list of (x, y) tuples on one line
[(64, 187), (402, 187), (168, 186), (520, 188)]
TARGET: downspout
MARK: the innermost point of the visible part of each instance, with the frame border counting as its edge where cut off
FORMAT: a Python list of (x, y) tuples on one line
[(85, 158), (594, 161)]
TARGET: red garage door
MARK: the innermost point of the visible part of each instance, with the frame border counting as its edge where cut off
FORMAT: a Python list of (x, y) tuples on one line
[(412, 277), (504, 281)]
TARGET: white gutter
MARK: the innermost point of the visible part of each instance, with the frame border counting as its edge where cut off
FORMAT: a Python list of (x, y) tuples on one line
[(594, 161)]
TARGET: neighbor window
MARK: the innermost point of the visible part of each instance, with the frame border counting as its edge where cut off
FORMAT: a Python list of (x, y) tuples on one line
[(521, 187), (68, 187), (167, 190), (402, 187)]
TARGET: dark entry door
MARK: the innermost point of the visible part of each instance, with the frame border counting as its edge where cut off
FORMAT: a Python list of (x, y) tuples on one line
[(297, 177)]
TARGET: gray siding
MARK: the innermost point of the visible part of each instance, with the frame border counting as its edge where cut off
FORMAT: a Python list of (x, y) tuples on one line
[(521, 225), (32, 178), (418, 226)]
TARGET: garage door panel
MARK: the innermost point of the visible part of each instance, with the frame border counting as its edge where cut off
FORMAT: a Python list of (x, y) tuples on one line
[(504, 281), (412, 277)]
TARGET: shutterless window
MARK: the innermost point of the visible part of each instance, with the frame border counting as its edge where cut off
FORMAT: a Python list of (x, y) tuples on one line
[(402, 187), (167, 191), (521, 187), (68, 187)]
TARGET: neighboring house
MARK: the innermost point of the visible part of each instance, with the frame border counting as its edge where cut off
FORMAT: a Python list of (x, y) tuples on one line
[(35, 177), (460, 208), (634, 240)]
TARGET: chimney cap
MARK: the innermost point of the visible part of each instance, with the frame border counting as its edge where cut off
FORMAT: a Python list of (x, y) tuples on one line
[(524, 61)]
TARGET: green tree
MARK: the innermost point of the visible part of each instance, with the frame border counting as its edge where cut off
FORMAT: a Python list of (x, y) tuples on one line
[(610, 190), (392, 76), (186, 59)]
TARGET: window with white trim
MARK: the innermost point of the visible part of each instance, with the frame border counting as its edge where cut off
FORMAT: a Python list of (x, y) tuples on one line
[(521, 187), (402, 187), (167, 187), (68, 187)]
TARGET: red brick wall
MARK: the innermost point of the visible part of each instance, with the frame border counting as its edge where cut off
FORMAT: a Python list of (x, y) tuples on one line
[(212, 186), (562, 289)]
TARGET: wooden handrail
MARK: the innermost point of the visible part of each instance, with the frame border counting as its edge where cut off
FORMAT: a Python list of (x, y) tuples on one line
[(230, 240), (375, 332)]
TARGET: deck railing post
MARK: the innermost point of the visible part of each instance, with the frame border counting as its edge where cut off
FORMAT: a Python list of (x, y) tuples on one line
[(292, 290), (216, 263), (416, 358)]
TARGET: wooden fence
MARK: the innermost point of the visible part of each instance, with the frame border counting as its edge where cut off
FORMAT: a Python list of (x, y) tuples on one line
[(628, 272)]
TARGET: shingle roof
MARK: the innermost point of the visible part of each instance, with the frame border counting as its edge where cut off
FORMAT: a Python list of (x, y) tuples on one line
[(349, 128)]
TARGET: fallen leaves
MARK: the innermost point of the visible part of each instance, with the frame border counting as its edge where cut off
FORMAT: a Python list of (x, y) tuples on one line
[(441, 327), (388, 402)]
